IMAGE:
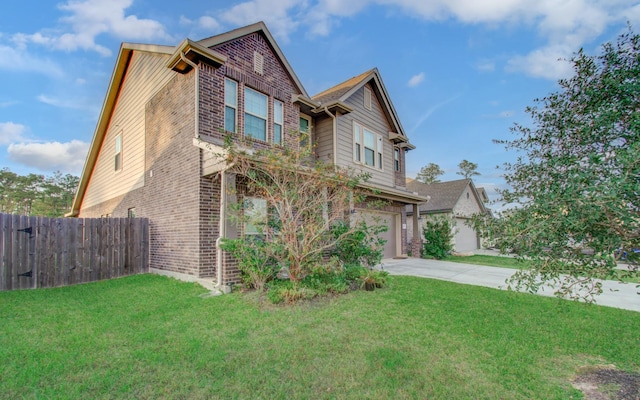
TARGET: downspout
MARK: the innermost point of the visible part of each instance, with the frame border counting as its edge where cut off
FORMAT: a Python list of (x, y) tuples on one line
[(335, 134), (222, 230), (223, 177)]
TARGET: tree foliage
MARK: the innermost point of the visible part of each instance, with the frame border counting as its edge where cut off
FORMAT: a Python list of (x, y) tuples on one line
[(34, 194), (429, 173), (306, 198), (577, 179), (438, 236), (468, 169)]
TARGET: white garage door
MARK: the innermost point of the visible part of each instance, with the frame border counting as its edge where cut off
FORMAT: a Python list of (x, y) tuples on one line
[(388, 220), (466, 238)]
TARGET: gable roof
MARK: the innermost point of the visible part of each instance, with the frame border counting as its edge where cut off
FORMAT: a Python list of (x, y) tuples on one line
[(341, 92), (108, 106), (258, 27), (444, 195)]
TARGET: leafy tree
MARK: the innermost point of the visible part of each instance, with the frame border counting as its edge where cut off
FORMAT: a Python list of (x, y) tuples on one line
[(468, 169), (429, 173), (438, 235), (577, 180), (306, 199), (36, 194)]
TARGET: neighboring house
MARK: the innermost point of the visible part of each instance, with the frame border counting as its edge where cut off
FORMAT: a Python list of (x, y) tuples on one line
[(166, 111), (458, 200)]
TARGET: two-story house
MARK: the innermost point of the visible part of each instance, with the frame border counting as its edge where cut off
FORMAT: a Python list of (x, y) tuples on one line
[(154, 152)]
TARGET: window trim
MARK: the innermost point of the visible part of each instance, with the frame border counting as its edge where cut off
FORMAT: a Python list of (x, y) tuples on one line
[(232, 106), (276, 123), (359, 147), (396, 159), (265, 118), (117, 147), (245, 223), (309, 133)]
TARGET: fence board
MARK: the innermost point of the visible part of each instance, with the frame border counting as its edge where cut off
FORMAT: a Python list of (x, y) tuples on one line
[(65, 251)]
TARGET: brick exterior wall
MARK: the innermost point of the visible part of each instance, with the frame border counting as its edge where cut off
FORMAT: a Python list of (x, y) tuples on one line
[(399, 176), (180, 224), (183, 206), (274, 82)]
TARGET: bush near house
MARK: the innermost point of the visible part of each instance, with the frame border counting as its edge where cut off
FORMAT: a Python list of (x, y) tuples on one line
[(302, 219), (437, 238)]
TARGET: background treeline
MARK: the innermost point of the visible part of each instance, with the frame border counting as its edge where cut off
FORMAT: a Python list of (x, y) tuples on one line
[(49, 196)]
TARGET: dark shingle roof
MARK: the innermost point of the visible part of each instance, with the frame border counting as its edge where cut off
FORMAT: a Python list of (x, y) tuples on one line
[(336, 92), (444, 195)]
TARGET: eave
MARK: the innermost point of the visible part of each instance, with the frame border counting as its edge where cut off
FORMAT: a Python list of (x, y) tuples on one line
[(193, 52)]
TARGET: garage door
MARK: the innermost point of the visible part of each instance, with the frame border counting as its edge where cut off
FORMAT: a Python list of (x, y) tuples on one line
[(388, 220), (466, 238)]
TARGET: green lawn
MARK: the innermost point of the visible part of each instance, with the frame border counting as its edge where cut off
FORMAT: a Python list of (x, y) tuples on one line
[(151, 337)]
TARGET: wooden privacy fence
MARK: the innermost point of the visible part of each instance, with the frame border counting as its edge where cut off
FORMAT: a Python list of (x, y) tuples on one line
[(39, 252)]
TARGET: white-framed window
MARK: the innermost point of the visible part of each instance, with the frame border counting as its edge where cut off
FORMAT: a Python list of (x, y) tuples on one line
[(117, 160), (255, 114), (305, 130), (278, 121), (367, 98), (230, 105), (255, 215), (396, 159), (367, 146), (131, 212)]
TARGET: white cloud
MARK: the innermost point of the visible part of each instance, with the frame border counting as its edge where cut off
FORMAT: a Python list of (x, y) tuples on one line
[(11, 132), (565, 26), (486, 66), (208, 22), (50, 156), (282, 16), (416, 80), (91, 18), (548, 62), (19, 60), (65, 103)]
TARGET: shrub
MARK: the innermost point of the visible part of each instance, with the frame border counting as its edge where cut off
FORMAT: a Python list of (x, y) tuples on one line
[(373, 278), (437, 234), (286, 291), (256, 260), (360, 245)]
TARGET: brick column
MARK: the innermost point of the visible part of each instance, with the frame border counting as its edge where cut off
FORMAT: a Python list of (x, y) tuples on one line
[(416, 242)]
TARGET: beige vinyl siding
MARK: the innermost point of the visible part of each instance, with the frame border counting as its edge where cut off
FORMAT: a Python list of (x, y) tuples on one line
[(323, 136), (374, 120), (146, 74)]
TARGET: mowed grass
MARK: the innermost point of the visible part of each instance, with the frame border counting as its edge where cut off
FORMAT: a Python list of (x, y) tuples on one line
[(152, 337)]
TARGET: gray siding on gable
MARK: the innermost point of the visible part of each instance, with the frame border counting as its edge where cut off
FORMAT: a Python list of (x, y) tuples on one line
[(376, 121), (323, 139)]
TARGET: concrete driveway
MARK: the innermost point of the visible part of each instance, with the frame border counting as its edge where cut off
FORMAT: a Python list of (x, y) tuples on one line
[(615, 294)]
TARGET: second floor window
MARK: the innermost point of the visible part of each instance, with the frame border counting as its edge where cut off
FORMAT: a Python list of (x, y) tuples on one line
[(396, 159), (305, 131), (255, 114), (230, 105), (367, 147), (277, 121)]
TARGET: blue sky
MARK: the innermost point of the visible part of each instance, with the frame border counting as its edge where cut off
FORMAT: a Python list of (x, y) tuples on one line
[(459, 72)]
